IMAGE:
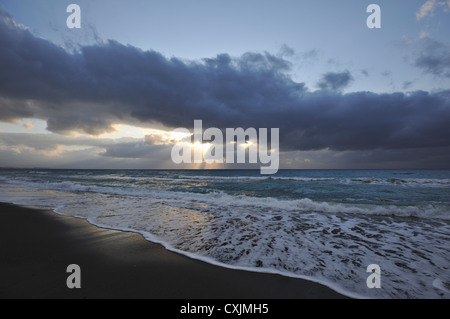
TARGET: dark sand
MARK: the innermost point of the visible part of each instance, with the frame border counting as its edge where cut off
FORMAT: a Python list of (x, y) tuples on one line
[(38, 245)]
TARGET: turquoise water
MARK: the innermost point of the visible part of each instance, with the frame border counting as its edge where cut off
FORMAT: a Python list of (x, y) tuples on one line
[(322, 225)]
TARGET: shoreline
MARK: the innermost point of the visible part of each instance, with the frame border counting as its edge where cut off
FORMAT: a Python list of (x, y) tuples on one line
[(39, 244)]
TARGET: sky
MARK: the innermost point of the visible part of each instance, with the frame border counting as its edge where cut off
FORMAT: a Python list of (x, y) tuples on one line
[(110, 94)]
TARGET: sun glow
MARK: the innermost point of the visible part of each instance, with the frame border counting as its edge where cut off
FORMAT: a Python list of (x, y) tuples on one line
[(204, 147), (157, 136)]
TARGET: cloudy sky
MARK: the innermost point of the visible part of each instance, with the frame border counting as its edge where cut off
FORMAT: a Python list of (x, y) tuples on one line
[(108, 95)]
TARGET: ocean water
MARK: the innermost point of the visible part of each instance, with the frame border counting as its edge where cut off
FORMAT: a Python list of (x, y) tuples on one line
[(323, 225)]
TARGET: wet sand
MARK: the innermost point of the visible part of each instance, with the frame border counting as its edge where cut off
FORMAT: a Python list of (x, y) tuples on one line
[(37, 246)]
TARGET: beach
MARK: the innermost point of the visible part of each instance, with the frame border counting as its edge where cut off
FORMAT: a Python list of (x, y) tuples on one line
[(322, 226), (38, 245)]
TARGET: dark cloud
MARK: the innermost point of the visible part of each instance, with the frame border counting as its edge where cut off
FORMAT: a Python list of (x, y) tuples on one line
[(49, 142), (286, 51), (116, 148), (108, 83), (98, 85), (12, 109), (364, 120), (138, 149), (427, 158), (407, 85), (434, 58), (335, 81)]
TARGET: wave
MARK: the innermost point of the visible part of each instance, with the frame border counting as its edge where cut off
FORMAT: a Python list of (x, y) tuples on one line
[(364, 180), (255, 178), (306, 205), (69, 186), (226, 201), (402, 181), (39, 172)]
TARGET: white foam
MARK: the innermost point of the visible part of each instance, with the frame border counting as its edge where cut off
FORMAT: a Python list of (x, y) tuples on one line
[(308, 205), (429, 182), (238, 240), (254, 178), (38, 172)]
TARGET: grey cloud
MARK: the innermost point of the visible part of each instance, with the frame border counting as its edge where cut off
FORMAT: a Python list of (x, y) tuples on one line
[(302, 57), (138, 149), (74, 159), (430, 158), (51, 141), (434, 58), (119, 148), (407, 84), (335, 81), (286, 51), (12, 109), (37, 149), (364, 120)]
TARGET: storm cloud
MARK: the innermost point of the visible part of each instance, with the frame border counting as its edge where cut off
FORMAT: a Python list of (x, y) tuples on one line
[(108, 83), (434, 58), (335, 81)]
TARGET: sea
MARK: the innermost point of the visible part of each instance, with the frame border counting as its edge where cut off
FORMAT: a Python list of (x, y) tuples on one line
[(326, 226)]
